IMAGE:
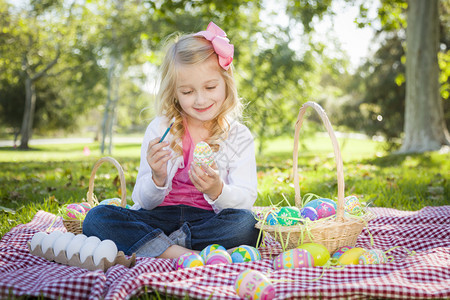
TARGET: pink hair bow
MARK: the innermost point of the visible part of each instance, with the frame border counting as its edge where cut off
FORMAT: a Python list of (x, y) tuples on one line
[(220, 42)]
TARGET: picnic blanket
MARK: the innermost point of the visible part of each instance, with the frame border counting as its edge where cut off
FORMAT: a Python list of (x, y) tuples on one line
[(423, 275)]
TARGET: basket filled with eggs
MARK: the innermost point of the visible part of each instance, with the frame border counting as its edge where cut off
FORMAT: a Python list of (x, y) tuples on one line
[(73, 214), (333, 224)]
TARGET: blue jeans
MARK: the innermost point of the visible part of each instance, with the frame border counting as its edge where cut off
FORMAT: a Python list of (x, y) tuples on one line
[(150, 232)]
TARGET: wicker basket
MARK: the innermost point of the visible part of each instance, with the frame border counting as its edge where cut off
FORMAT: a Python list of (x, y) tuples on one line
[(330, 232), (76, 226)]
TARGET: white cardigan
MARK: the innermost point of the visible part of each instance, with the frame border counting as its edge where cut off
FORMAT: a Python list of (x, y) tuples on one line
[(235, 160)]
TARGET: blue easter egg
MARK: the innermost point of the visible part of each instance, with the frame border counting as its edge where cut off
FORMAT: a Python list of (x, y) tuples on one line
[(271, 219)]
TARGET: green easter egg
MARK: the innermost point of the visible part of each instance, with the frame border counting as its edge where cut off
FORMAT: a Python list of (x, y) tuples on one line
[(288, 216)]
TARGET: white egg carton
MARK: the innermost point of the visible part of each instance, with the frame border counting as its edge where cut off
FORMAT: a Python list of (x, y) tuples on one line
[(88, 264)]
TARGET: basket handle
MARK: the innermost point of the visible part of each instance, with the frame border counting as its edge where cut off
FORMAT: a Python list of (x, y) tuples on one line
[(337, 156), (121, 177)]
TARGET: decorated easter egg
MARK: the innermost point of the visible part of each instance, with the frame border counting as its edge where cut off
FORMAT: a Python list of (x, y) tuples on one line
[(205, 252), (288, 215), (106, 249), (62, 242), (318, 251), (325, 209), (251, 284), (75, 245), (73, 211), (315, 203), (245, 253), (189, 260), (49, 240), (373, 257), (293, 258), (218, 257), (271, 218), (86, 207), (351, 256), (352, 205), (37, 239), (340, 251), (112, 201), (309, 213), (203, 154)]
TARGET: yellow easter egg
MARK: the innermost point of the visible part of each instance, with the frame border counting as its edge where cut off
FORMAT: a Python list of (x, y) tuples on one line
[(351, 256)]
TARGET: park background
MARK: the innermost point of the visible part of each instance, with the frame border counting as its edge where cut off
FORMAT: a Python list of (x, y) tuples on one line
[(86, 71)]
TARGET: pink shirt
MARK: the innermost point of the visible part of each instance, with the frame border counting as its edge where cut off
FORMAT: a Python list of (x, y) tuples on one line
[(183, 190)]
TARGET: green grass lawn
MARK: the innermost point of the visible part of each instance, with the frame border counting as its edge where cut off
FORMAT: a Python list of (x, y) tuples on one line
[(50, 176)]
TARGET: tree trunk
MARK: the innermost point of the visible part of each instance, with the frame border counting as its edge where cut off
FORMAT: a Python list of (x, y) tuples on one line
[(27, 122), (425, 128)]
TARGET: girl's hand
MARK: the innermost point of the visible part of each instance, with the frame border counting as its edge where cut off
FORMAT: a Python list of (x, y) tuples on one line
[(206, 179), (157, 159)]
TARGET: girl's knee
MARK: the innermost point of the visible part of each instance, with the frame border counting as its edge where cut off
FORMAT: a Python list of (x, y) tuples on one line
[(94, 218)]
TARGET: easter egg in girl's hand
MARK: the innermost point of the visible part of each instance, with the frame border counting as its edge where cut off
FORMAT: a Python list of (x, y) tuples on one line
[(73, 211), (293, 258), (205, 252), (245, 253), (373, 257), (318, 251), (309, 213), (288, 216), (218, 257), (203, 154), (252, 284), (340, 251), (189, 260)]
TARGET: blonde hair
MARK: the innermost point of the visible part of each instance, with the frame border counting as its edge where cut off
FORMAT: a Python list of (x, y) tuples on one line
[(190, 50)]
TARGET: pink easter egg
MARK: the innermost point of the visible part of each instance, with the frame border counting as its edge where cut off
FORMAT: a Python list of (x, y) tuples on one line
[(293, 258), (189, 260), (74, 210), (252, 284), (86, 206), (325, 209), (218, 257)]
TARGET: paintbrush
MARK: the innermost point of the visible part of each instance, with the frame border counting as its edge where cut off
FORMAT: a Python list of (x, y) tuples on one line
[(165, 133)]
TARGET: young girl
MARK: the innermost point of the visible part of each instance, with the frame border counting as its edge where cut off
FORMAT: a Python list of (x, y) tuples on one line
[(180, 205)]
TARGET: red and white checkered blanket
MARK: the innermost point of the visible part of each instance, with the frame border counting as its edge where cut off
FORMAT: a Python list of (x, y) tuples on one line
[(423, 275)]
